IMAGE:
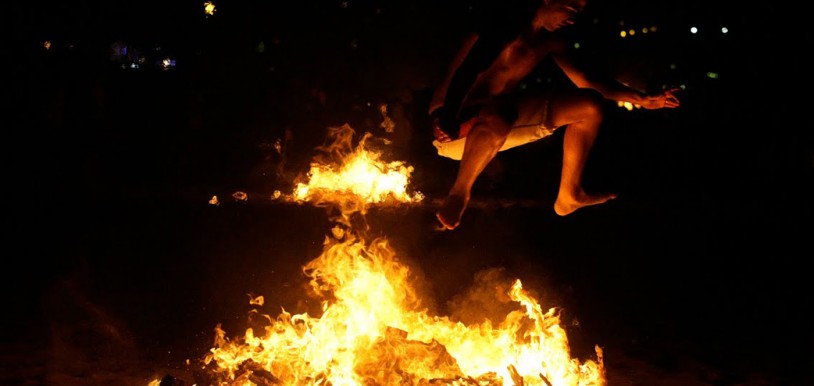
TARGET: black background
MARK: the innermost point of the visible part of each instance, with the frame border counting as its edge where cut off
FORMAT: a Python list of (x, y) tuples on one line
[(115, 257)]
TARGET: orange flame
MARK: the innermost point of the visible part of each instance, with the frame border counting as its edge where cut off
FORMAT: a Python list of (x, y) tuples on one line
[(354, 177), (373, 330)]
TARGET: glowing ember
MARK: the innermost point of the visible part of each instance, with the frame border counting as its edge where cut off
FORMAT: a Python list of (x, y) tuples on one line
[(372, 329)]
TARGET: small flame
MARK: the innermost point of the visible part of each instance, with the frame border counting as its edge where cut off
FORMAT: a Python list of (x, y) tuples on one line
[(355, 177)]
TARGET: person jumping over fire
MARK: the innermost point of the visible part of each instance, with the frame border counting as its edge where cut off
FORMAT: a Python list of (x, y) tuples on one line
[(480, 98)]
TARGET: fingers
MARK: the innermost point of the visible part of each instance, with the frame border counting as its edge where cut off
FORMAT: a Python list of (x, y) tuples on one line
[(670, 100)]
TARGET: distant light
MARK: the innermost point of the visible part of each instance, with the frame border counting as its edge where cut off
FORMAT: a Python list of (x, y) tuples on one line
[(47, 45), (683, 87), (693, 30), (724, 30), (712, 75), (621, 23), (631, 32), (623, 33), (673, 66), (645, 30), (576, 45), (261, 47), (653, 28), (134, 66), (167, 63), (209, 8)]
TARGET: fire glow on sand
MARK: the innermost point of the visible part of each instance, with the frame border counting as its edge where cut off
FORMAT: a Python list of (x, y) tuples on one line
[(372, 329)]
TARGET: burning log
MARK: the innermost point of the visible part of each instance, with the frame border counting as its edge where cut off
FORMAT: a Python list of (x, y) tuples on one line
[(547, 382), (516, 377)]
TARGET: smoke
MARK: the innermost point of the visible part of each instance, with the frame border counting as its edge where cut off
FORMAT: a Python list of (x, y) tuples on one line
[(486, 298)]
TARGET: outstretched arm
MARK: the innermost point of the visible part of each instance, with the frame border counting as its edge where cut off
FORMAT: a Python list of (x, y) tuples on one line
[(613, 89)]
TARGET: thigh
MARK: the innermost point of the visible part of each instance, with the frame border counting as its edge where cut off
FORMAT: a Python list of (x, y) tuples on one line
[(554, 108), (569, 106)]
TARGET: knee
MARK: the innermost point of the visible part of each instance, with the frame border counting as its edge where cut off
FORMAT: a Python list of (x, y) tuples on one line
[(591, 103), (491, 128)]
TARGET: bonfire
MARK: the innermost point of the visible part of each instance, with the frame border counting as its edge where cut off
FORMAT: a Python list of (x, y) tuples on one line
[(372, 329)]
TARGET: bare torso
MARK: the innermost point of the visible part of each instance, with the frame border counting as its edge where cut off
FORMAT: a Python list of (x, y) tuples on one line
[(515, 62)]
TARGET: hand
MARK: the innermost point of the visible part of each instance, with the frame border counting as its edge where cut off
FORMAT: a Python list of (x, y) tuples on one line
[(439, 133), (437, 130), (666, 99)]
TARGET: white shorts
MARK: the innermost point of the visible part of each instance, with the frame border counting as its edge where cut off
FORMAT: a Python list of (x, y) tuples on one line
[(520, 135)]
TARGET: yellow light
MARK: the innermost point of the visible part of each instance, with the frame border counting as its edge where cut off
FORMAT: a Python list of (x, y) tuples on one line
[(631, 32), (47, 44), (209, 8), (623, 33)]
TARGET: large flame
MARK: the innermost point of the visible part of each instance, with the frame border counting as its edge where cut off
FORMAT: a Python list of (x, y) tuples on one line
[(373, 330)]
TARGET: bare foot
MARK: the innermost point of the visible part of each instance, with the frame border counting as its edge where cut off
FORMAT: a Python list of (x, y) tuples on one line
[(567, 205), (451, 211)]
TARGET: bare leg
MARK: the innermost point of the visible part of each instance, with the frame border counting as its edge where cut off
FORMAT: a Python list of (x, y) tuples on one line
[(482, 144), (584, 117)]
